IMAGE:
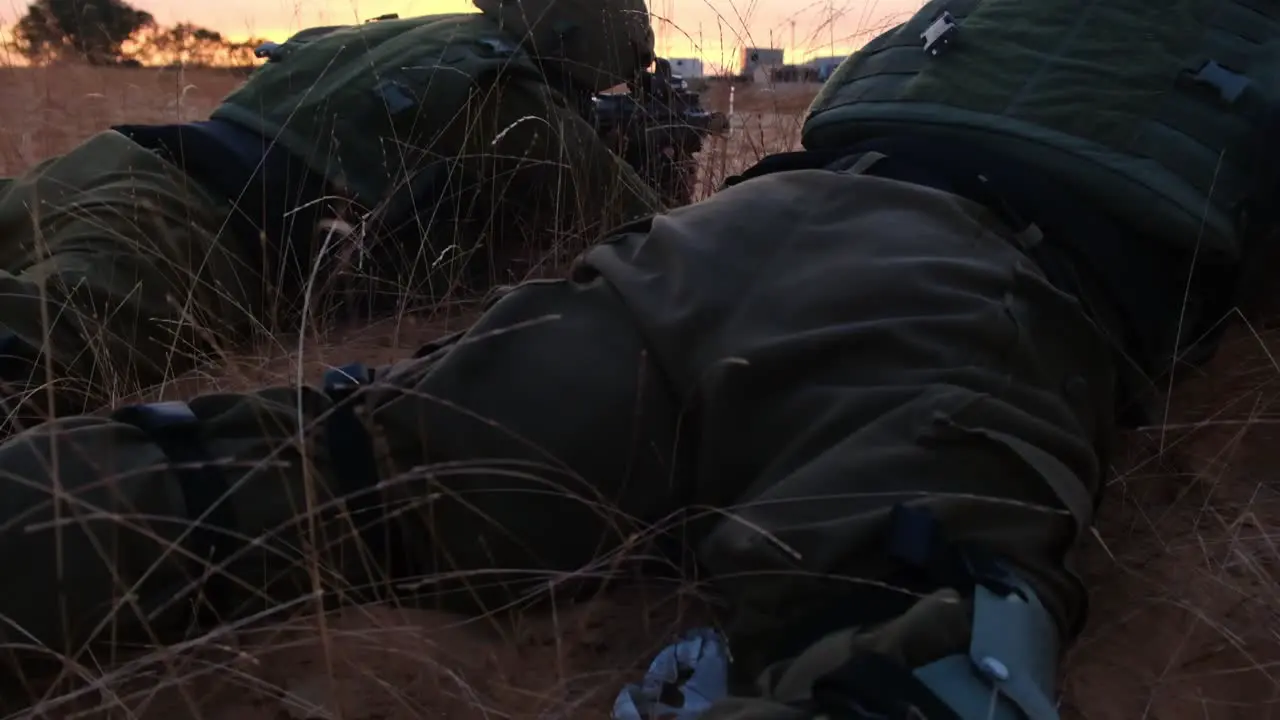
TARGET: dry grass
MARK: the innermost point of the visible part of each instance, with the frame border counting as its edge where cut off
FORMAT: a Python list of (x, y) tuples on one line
[(1183, 571)]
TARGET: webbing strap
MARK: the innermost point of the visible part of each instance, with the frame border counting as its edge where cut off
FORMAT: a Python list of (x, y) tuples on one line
[(1064, 482), (355, 466), (866, 161), (178, 432)]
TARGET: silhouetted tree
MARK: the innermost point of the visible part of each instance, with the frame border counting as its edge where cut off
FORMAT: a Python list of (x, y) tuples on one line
[(187, 45), (92, 30)]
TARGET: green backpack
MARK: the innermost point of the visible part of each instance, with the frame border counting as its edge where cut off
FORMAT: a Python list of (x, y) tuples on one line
[(1162, 112), (369, 106)]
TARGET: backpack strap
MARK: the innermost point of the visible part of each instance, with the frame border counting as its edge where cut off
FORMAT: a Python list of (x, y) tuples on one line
[(351, 450)]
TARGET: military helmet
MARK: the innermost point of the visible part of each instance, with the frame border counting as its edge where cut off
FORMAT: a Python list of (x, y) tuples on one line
[(598, 43)]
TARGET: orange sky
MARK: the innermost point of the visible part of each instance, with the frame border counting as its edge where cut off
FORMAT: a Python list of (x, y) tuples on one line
[(711, 29)]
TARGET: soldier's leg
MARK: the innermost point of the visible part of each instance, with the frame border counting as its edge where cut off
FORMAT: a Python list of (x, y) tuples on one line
[(904, 422), (846, 345), (518, 457), (112, 263)]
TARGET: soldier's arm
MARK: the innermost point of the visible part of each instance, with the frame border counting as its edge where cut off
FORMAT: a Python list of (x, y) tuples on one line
[(547, 162)]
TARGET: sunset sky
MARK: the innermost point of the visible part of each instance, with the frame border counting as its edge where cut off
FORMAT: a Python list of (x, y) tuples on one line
[(710, 29)]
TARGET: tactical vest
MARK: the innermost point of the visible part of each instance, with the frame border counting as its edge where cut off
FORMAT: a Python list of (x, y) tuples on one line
[(368, 106), (1161, 112)]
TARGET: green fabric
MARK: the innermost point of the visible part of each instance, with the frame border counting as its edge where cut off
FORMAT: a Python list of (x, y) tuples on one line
[(471, 497), (366, 105), (114, 261), (786, 361), (369, 106), (125, 271), (442, 129), (1091, 91)]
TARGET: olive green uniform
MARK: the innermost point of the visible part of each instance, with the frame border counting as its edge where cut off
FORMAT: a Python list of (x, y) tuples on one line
[(739, 354), (124, 267), (795, 364)]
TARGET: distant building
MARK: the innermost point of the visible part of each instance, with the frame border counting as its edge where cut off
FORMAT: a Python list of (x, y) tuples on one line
[(759, 63), (825, 65), (687, 67)]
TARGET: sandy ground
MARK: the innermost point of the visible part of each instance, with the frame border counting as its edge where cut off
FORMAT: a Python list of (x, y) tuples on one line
[(1183, 568)]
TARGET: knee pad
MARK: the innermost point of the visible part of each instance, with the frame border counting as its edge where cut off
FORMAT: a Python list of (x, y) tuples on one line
[(1007, 672), (1010, 669)]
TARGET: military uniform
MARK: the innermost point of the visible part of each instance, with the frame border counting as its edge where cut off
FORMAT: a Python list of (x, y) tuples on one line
[(437, 138), (874, 382)]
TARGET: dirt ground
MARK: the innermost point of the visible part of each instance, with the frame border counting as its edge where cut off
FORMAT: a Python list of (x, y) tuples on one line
[(1184, 567)]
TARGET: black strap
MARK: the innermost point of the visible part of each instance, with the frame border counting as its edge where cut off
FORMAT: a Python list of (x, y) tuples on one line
[(870, 685), (354, 463), (916, 539), (178, 432), (790, 161), (438, 344)]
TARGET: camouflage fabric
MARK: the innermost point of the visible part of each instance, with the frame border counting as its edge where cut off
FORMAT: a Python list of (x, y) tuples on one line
[(1164, 113), (800, 354)]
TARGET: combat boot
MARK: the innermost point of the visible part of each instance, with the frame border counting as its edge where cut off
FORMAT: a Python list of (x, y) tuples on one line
[(969, 640), (972, 641)]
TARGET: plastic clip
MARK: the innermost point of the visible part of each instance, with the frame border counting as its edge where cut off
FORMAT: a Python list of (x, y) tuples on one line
[(940, 34)]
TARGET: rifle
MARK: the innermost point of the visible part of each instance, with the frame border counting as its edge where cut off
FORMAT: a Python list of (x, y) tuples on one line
[(657, 126)]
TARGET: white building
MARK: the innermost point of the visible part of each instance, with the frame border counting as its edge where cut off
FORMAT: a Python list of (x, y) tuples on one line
[(687, 67)]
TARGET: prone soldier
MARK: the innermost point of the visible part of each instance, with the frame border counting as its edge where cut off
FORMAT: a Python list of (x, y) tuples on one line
[(880, 377), (436, 154)]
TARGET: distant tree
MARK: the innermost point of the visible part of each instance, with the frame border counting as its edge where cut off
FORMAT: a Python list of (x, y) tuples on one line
[(189, 45), (92, 30)]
